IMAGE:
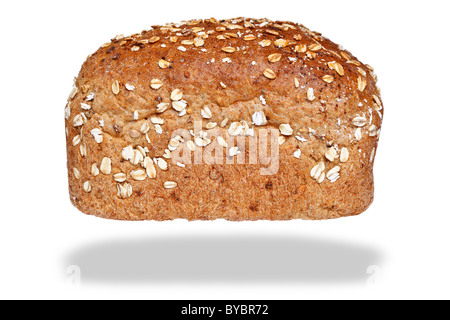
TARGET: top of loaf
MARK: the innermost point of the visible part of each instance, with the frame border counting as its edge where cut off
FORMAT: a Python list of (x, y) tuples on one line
[(230, 69)]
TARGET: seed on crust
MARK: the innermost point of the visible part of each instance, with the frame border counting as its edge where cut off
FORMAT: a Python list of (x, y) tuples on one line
[(76, 140), (79, 120), (321, 178), (222, 141), (224, 122), (187, 42), (300, 48), (269, 74), (372, 155), (105, 166), (120, 177), (179, 105), (124, 190), (229, 49), (87, 186), (115, 87), (358, 134), (162, 164), (83, 150), (156, 84), (176, 95), (97, 134), (76, 173), (163, 64), (154, 39), (156, 120), (310, 94), (190, 145), (333, 65), (94, 170), (160, 108), (234, 151), (149, 168), (317, 170), (85, 106), (206, 113), (331, 154), (328, 79), (361, 83), (333, 174), (359, 121), (199, 42), (315, 47), (265, 43), (286, 130), (259, 118), (67, 112), (73, 93), (333, 171), (170, 184), (281, 43), (138, 174), (344, 155), (274, 57)]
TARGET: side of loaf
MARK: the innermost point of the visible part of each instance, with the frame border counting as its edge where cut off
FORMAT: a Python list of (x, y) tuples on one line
[(208, 88)]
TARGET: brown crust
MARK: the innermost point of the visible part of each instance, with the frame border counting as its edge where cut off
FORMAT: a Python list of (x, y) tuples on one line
[(235, 90)]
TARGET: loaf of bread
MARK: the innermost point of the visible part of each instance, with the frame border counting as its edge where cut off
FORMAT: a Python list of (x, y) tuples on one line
[(241, 119)]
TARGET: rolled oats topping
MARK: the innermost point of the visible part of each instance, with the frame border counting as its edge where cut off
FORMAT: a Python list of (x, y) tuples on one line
[(176, 95), (120, 177), (87, 186), (156, 84), (362, 83), (269, 74), (76, 173), (344, 155), (124, 190), (286, 130), (359, 121), (331, 154), (138, 174), (206, 113), (317, 170), (170, 184), (115, 87), (328, 78), (105, 166), (274, 57), (79, 120), (310, 94), (333, 174), (76, 140), (179, 105), (97, 134), (163, 64), (259, 118), (94, 170)]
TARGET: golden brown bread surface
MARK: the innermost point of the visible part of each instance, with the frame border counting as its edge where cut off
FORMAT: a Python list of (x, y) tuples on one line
[(235, 78)]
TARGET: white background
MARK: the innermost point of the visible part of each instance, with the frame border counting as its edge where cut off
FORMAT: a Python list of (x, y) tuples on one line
[(398, 249)]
